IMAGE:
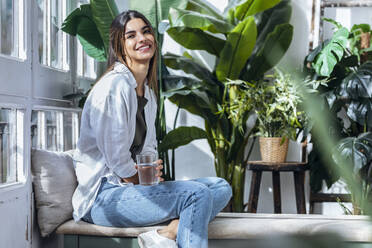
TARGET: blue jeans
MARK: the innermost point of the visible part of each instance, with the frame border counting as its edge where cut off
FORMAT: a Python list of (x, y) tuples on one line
[(194, 202)]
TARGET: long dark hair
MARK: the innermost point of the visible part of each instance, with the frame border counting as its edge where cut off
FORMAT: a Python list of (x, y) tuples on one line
[(117, 41)]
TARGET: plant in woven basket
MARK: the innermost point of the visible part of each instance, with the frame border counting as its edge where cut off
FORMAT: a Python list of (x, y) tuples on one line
[(276, 102)]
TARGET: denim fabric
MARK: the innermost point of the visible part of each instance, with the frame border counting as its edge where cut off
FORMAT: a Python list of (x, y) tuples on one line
[(195, 202)]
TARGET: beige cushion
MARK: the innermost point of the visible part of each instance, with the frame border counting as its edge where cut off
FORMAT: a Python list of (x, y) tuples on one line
[(54, 183)]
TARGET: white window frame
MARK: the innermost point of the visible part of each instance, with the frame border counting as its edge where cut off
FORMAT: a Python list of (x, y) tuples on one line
[(42, 126), (63, 44), (318, 12), (16, 175), (19, 31)]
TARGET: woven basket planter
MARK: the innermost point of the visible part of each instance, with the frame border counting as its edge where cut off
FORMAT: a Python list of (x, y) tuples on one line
[(271, 149)]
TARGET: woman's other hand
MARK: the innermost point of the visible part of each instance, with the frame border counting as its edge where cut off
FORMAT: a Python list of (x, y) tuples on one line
[(133, 179), (159, 167)]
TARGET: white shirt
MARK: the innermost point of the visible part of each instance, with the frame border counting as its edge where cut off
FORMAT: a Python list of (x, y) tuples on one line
[(107, 131)]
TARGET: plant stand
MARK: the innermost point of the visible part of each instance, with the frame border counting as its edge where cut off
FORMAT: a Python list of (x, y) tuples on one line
[(298, 169)]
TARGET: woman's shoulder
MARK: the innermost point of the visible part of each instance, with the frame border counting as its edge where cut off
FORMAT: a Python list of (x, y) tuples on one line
[(115, 82)]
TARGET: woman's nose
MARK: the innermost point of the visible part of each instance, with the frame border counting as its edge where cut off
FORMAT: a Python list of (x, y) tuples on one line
[(140, 37)]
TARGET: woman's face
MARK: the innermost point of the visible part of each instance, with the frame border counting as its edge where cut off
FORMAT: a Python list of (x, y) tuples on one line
[(139, 42)]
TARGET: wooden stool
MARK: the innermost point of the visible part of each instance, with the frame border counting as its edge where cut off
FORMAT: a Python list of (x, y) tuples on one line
[(298, 169)]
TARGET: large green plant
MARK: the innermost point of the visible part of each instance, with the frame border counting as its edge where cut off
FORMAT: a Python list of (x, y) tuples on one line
[(90, 23), (247, 40), (345, 64)]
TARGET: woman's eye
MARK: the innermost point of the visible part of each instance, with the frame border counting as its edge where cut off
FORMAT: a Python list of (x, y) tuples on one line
[(130, 36), (147, 31)]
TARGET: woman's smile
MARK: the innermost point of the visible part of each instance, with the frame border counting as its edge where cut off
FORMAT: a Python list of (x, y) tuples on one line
[(139, 41)]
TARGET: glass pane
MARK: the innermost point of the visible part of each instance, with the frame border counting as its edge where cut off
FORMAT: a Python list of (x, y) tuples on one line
[(7, 22), (7, 146), (51, 130), (86, 66), (40, 18), (67, 130), (346, 16), (34, 134), (54, 46), (55, 36), (54, 130)]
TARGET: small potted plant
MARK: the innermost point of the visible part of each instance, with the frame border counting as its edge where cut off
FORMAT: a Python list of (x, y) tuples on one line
[(276, 103)]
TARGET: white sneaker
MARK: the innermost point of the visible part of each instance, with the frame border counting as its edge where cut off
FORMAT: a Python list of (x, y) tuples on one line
[(153, 239)]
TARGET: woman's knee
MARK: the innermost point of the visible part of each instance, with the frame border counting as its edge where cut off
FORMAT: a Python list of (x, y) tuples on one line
[(197, 192)]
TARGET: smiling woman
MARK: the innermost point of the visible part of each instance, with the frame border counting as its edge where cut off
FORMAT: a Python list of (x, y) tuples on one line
[(117, 124)]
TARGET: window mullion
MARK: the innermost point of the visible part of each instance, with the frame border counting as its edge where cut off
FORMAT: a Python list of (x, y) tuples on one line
[(41, 130), (20, 145), (12, 138), (15, 49), (75, 129), (59, 131), (21, 29)]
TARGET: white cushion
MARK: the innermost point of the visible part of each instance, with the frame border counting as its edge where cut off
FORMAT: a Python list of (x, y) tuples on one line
[(54, 183)]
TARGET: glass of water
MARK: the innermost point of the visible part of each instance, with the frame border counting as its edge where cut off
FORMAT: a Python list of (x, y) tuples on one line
[(147, 169)]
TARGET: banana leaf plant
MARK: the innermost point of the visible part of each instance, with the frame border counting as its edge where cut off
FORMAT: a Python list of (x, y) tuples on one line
[(247, 40), (90, 23), (348, 67)]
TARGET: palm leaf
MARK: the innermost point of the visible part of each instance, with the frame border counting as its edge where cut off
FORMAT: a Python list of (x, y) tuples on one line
[(252, 7), (80, 23), (238, 48), (181, 136), (196, 39), (191, 19), (104, 12), (271, 52)]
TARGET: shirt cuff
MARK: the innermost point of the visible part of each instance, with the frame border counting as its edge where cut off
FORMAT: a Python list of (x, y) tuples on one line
[(125, 171)]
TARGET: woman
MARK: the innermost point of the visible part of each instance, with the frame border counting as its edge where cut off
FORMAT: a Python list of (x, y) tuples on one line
[(118, 122)]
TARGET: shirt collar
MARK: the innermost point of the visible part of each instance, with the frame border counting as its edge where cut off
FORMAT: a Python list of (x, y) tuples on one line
[(121, 68)]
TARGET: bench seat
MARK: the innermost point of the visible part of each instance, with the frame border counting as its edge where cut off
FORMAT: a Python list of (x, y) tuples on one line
[(249, 226)]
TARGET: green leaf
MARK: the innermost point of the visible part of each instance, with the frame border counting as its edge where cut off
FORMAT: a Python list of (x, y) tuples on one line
[(181, 136), (203, 8), (91, 41), (71, 23), (189, 66), (272, 51), (191, 19), (358, 84), (156, 10), (361, 111), (179, 85), (267, 21), (355, 150), (80, 23), (195, 104), (252, 7), (104, 12), (337, 24), (196, 39), (364, 27), (332, 53), (238, 48)]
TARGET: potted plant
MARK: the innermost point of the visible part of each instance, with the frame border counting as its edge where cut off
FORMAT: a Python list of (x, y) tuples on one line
[(346, 61), (275, 101), (247, 40)]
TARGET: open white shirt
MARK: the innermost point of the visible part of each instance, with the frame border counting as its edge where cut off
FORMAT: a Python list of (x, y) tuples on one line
[(107, 131)]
